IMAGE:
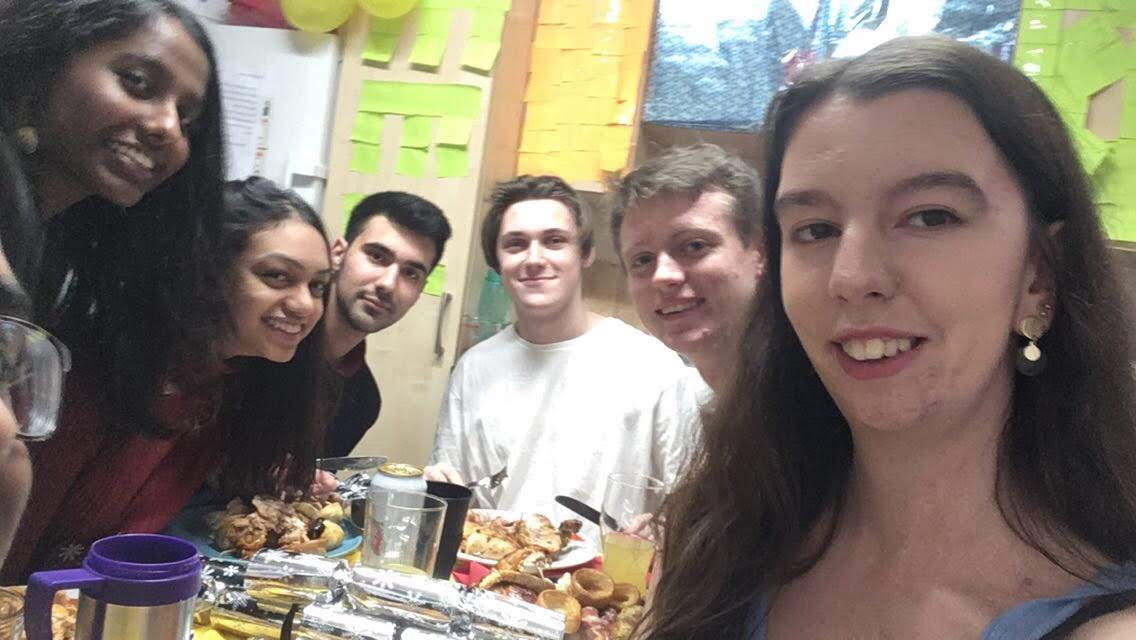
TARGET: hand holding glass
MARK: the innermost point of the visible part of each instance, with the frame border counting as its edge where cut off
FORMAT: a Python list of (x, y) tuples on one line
[(627, 551)]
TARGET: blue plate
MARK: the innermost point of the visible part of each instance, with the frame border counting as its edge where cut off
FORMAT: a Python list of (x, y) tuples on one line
[(190, 525)]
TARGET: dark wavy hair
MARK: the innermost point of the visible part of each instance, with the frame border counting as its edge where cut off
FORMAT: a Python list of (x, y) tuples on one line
[(510, 192), (408, 211), (135, 290), (277, 410), (778, 452), (20, 232)]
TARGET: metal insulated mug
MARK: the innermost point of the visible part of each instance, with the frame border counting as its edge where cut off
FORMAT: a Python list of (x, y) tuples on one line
[(132, 587)]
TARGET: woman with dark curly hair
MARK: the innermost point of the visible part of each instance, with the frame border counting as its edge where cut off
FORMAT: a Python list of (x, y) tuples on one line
[(931, 433)]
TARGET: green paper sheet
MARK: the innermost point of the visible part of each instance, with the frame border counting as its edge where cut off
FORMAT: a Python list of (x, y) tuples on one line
[(453, 130), (411, 162), (380, 47), (488, 24), (428, 51), (436, 281), (420, 99), (364, 157), (1039, 27), (391, 26), (434, 22), (480, 54), (1036, 60), (417, 132), (451, 161), (368, 128), (349, 202)]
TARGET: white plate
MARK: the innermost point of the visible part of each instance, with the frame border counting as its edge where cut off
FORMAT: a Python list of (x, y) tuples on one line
[(575, 554)]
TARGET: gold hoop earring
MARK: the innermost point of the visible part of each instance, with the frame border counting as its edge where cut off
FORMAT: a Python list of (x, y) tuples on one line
[(1031, 361), (27, 139)]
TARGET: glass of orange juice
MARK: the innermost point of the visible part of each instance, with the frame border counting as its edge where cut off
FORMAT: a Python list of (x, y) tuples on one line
[(628, 544)]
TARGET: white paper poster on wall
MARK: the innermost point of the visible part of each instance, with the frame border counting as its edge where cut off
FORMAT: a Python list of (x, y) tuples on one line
[(246, 107)]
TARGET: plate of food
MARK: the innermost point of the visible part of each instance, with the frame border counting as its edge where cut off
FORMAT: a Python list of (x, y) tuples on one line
[(524, 541), (242, 528)]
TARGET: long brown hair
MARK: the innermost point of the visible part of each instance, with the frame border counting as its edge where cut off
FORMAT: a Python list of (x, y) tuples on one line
[(777, 452)]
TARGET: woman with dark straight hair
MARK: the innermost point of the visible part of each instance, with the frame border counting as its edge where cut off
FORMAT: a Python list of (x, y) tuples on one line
[(931, 433)]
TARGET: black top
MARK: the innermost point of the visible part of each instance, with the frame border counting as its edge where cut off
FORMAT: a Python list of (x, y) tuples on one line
[(357, 410)]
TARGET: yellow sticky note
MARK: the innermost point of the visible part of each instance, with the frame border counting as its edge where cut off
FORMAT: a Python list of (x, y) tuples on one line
[(411, 162), (436, 281), (417, 131), (608, 40), (624, 112), (453, 130), (635, 41), (540, 89), (350, 201), (638, 13), (577, 66), (487, 24), (576, 37), (531, 164), (536, 141), (630, 76), (597, 111), (364, 157), (434, 22), (451, 161), (541, 115), (609, 11), (579, 15), (480, 54), (547, 36), (604, 86), (428, 50), (589, 136), (551, 13), (380, 47), (613, 159), (368, 127)]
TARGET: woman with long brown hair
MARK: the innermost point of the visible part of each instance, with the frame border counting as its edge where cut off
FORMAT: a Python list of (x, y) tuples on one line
[(931, 432)]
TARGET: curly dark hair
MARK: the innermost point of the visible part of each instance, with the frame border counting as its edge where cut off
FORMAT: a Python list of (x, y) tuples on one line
[(777, 452)]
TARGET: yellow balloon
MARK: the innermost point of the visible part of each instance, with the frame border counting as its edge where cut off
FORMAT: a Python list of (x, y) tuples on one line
[(388, 8), (319, 16)]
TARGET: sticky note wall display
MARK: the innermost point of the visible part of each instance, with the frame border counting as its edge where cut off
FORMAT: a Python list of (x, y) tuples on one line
[(583, 87), (431, 23), (1074, 62), (437, 121)]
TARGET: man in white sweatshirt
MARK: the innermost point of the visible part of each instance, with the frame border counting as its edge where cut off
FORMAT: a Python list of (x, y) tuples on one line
[(563, 397)]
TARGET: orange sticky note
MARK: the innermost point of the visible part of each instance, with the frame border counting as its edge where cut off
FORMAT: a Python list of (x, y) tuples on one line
[(541, 115)]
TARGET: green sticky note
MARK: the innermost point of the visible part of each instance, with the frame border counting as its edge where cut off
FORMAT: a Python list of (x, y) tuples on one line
[(388, 26), (380, 47), (500, 5), (411, 162), (1128, 122), (1090, 148), (436, 281), (454, 130), (428, 51), (368, 127), (451, 161), (1043, 4), (480, 54), (1040, 27), (1087, 67), (420, 98), (364, 157), (488, 24), (434, 22), (417, 131), (1062, 96), (350, 200), (1036, 59), (445, 4), (1084, 5)]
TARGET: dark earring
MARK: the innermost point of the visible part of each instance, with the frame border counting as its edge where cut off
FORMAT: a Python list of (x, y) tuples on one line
[(1031, 361)]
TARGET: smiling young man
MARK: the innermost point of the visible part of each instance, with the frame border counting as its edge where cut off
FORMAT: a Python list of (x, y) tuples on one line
[(563, 397), (687, 231), (392, 242)]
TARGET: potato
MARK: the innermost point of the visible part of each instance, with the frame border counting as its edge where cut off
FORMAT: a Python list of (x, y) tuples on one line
[(332, 533)]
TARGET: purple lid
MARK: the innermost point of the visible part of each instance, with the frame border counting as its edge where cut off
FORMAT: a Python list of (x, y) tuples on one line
[(145, 569)]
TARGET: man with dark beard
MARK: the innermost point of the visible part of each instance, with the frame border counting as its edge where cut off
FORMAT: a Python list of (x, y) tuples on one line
[(393, 241)]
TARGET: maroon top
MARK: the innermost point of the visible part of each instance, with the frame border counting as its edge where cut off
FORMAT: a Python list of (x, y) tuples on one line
[(88, 485)]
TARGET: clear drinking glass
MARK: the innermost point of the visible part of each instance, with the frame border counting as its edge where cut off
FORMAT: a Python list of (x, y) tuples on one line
[(403, 530), (630, 499)]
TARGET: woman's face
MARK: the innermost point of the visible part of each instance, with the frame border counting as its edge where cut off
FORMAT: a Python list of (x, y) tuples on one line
[(905, 262), (277, 289), (117, 118)]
